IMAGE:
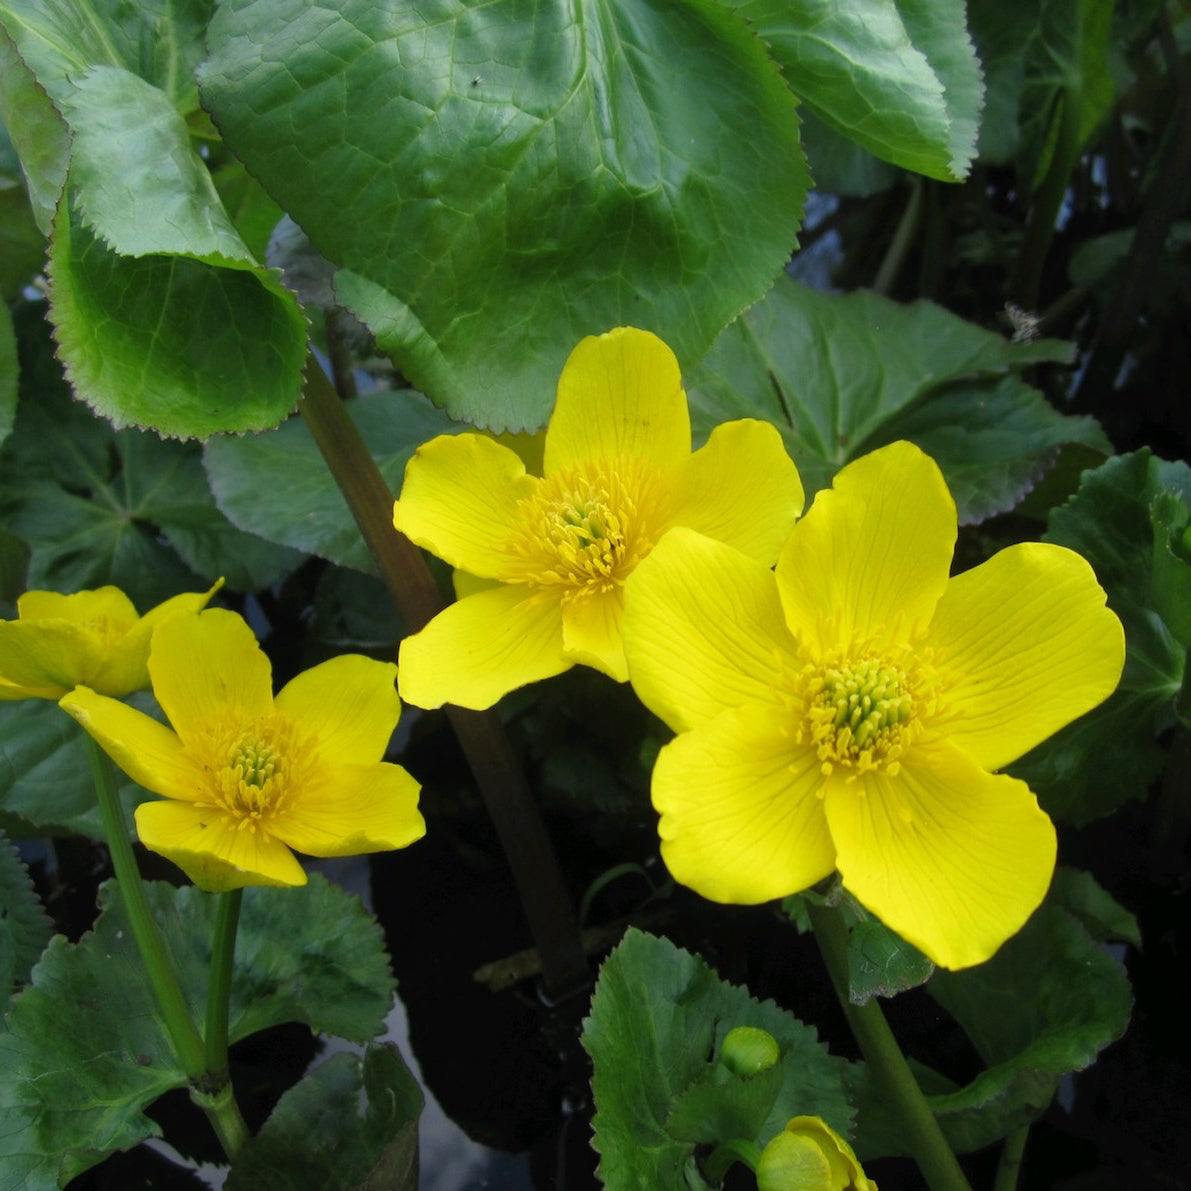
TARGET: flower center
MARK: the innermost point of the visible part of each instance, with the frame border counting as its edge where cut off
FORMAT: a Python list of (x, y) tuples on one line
[(860, 715), (586, 528), (253, 766)]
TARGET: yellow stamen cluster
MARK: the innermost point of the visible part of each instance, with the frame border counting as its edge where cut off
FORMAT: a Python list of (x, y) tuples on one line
[(859, 715), (584, 528)]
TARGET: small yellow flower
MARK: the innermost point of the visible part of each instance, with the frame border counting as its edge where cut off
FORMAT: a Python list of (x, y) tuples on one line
[(808, 1155), (848, 712), (92, 638), (247, 776), (550, 554)]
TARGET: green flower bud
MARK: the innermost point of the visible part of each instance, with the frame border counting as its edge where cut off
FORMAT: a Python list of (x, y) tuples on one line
[(748, 1050), (808, 1155)]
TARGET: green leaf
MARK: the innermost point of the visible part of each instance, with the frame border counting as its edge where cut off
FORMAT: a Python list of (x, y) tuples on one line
[(1066, 67), (1000, 28), (1169, 515), (898, 77), (14, 567), (22, 245), (882, 964), (45, 780), (277, 485), (1104, 918), (496, 181), (25, 927), (85, 1050), (658, 1018), (352, 1123), (841, 375), (8, 373), (124, 507), (38, 132), (1110, 756)]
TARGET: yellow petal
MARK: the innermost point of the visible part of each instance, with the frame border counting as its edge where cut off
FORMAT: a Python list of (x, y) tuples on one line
[(741, 818), (1026, 645), (459, 501), (147, 751), (620, 394), (356, 809), (793, 1162), (212, 850), (203, 666), (349, 703), (106, 610), (124, 667), (741, 488), (43, 659), (703, 630), (952, 858), (593, 632), (871, 557), (481, 648)]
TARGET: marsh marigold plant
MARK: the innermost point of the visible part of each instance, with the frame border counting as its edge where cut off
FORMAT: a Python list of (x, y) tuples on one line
[(553, 552), (245, 776), (850, 711), (94, 638)]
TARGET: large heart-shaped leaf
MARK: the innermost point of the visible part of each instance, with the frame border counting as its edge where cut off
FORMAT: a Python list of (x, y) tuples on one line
[(497, 180)]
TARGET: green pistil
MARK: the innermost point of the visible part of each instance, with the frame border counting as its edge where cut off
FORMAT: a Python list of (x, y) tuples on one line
[(868, 701), (255, 764)]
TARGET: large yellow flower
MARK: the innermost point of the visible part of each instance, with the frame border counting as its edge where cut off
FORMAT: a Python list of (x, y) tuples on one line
[(553, 552), (94, 638), (848, 712), (247, 776)]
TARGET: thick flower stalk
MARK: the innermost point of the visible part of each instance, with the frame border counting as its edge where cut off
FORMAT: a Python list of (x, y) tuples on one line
[(245, 776), (849, 712), (808, 1155), (91, 638), (552, 552)]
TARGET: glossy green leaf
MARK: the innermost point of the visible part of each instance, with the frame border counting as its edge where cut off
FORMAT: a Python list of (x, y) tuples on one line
[(1000, 28), (45, 774), (123, 507), (880, 963), (163, 316), (898, 77), (658, 1018), (85, 1051), (1110, 755), (277, 484), (496, 181), (841, 375), (351, 1123), (1170, 514), (1104, 918), (25, 927)]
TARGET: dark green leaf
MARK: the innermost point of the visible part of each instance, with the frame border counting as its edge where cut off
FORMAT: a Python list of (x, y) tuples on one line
[(1104, 918), (658, 1018), (1109, 756), (321, 1135), (85, 1050), (1000, 28), (14, 567), (898, 77), (278, 486), (839, 376), (22, 245), (8, 373), (498, 180), (25, 927), (880, 963), (1169, 515)]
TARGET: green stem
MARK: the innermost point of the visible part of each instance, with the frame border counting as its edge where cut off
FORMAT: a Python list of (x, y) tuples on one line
[(1009, 1166), (903, 237), (531, 858), (188, 1046), (219, 989), (887, 1065), (219, 1105), (726, 1155)]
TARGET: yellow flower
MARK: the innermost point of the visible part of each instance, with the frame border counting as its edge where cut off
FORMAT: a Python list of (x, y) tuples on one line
[(808, 1155), (247, 776), (552, 553), (92, 638), (848, 712)]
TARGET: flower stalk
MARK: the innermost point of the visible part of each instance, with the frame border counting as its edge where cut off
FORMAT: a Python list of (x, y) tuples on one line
[(219, 988), (885, 1060), (535, 867)]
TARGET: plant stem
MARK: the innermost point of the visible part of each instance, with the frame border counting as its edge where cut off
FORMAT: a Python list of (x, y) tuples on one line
[(188, 1046), (903, 237), (535, 868), (219, 988), (219, 1105), (886, 1062), (1009, 1166), (727, 1154)]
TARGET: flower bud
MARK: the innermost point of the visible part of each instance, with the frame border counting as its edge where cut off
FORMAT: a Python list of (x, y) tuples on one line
[(748, 1050), (808, 1155)]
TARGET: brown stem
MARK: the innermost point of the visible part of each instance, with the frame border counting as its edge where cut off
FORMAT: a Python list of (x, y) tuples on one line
[(502, 785)]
